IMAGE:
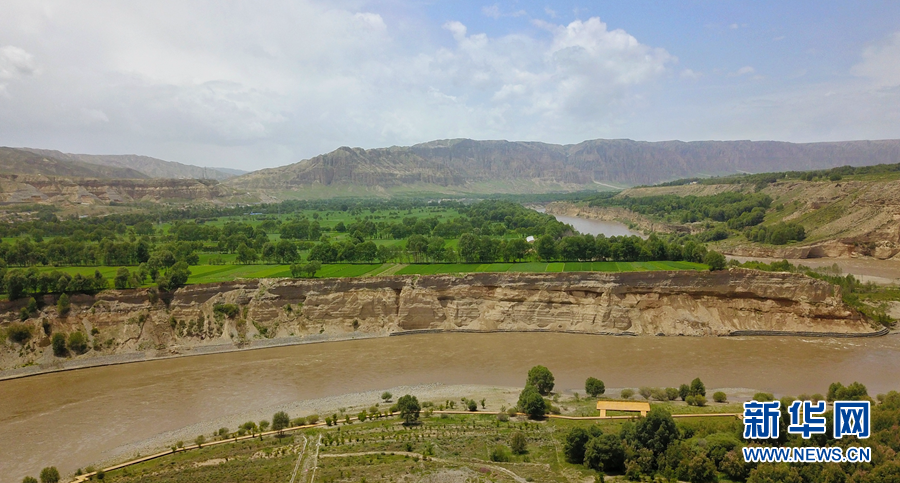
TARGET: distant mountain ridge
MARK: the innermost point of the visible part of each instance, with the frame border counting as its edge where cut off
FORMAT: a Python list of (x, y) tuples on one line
[(459, 162), (129, 166)]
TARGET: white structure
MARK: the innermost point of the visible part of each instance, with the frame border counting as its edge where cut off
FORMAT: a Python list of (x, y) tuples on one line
[(529, 239)]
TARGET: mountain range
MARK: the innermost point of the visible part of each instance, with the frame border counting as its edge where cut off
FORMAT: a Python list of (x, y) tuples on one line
[(55, 163), (467, 166), (458, 163)]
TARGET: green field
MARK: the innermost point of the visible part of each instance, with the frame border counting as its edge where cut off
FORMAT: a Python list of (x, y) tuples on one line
[(225, 273), (437, 268)]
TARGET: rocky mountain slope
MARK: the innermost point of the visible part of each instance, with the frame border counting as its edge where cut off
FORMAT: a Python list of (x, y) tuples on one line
[(63, 191), (266, 312), (148, 167), (464, 162)]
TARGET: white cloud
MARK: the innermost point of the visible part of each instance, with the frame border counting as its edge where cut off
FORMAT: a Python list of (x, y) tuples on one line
[(881, 62), (734, 26), (494, 11), (745, 70), (15, 63), (690, 74), (283, 80), (550, 12)]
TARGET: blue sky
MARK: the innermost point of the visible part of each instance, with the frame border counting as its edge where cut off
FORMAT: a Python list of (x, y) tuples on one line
[(244, 85)]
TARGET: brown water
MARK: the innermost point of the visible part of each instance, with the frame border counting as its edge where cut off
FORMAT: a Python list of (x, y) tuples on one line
[(75, 418)]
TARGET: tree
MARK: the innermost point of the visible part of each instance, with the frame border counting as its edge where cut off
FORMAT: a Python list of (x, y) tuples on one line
[(63, 306), (472, 405), (576, 439), (122, 279), (50, 475), (605, 453), (715, 260), (409, 408), (541, 378), (699, 469), (655, 432), (684, 391), (627, 393), (594, 387), (719, 397), (532, 403), (518, 443), (178, 275), (311, 268), (59, 345), (78, 342), (29, 479), (698, 388), (386, 396), (280, 421), (546, 248)]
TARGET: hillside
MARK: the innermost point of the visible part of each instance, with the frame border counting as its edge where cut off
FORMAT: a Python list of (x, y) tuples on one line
[(465, 165), (149, 167), (855, 216), (23, 162)]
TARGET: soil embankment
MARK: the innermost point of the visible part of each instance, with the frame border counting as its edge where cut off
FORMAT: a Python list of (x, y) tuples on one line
[(124, 326)]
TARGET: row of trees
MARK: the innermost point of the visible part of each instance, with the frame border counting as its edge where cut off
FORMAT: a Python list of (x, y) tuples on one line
[(735, 208)]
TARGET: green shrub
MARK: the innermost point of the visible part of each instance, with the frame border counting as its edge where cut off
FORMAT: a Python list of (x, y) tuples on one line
[(228, 310), (763, 397), (627, 393), (594, 387), (78, 342), (720, 397), (59, 345), (19, 333)]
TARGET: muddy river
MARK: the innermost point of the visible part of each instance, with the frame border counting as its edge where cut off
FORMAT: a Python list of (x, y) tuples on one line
[(595, 227), (72, 419)]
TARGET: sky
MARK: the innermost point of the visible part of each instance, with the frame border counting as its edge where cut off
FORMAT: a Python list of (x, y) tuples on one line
[(250, 85)]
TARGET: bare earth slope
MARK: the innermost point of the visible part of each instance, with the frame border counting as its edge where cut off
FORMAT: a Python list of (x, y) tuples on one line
[(462, 162), (293, 311)]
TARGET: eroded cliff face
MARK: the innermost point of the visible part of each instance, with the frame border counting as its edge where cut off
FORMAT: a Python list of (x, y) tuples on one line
[(262, 312)]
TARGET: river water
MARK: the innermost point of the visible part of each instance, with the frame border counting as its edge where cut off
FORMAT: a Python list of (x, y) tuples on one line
[(595, 227), (73, 419)]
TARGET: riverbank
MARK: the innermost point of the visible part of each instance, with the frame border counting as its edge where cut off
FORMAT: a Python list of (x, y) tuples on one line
[(125, 326)]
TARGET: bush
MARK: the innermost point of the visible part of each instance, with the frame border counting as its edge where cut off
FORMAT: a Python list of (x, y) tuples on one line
[(78, 342), (472, 405), (59, 345), (720, 397), (532, 403), (386, 396), (228, 310), (499, 454), (19, 333), (715, 260), (50, 475), (763, 397), (594, 387), (645, 392), (672, 393), (280, 421), (63, 306), (627, 393), (541, 378), (518, 443), (697, 400)]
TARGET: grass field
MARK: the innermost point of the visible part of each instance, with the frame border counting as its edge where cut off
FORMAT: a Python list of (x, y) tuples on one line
[(437, 268), (225, 273)]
